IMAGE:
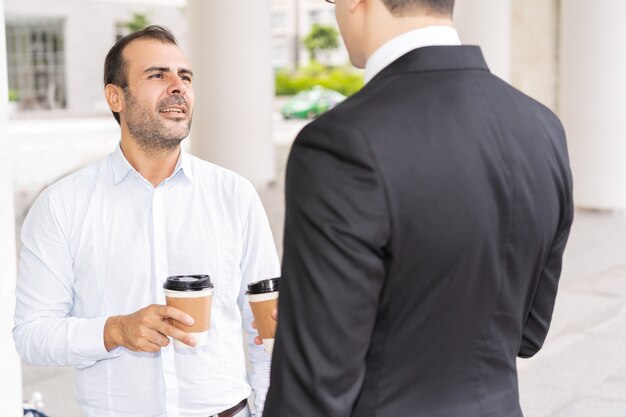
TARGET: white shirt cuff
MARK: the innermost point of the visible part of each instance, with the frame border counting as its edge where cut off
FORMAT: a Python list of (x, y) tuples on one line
[(86, 342)]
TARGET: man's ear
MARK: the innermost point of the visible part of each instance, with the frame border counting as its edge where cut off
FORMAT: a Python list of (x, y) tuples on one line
[(114, 97)]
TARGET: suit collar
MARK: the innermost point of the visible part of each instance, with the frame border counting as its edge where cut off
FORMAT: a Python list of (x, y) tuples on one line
[(437, 58), (413, 39)]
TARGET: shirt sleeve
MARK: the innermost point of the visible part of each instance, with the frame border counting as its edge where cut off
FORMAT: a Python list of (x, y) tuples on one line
[(45, 333), (259, 261)]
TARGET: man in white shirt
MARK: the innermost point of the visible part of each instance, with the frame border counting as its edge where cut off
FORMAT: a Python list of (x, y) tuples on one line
[(98, 244)]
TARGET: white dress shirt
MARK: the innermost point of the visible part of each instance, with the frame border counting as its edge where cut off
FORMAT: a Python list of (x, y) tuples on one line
[(101, 241), (400, 45)]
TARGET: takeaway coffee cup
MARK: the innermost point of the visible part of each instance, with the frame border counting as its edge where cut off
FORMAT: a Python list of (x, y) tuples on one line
[(193, 295), (263, 298)]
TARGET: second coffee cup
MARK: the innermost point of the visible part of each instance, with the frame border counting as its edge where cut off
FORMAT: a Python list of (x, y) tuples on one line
[(263, 298), (192, 294)]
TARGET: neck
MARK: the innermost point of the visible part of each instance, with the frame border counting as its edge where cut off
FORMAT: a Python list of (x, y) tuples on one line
[(154, 166), (389, 26)]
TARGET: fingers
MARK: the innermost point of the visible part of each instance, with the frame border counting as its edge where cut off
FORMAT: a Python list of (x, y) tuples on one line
[(258, 340), (155, 341), (168, 330), (147, 340), (174, 314), (147, 329)]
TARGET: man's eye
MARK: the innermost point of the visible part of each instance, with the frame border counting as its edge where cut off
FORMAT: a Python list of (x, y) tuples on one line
[(156, 76), (185, 78)]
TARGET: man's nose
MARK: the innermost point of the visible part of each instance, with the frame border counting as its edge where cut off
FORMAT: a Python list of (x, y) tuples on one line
[(177, 87)]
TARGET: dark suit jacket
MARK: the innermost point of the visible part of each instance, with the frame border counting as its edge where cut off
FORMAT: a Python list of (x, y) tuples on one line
[(426, 219)]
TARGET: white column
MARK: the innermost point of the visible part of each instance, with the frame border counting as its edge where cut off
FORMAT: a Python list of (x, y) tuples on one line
[(487, 23), (591, 102), (10, 375), (233, 81), (535, 49)]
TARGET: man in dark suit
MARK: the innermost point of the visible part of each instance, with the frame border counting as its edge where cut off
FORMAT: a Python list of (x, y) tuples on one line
[(426, 219)]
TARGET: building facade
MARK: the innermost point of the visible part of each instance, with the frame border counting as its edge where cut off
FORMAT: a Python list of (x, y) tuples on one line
[(291, 21), (56, 50)]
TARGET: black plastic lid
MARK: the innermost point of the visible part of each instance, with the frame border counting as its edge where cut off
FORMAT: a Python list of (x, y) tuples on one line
[(188, 283), (266, 285)]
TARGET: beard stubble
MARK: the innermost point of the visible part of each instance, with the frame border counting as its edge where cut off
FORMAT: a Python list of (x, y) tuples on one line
[(149, 130)]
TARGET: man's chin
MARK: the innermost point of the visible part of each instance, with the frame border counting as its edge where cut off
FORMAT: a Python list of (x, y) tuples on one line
[(180, 135), (175, 140), (178, 131), (158, 147)]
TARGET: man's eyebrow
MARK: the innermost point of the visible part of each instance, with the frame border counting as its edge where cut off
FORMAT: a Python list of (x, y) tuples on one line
[(167, 69), (159, 69), (185, 71)]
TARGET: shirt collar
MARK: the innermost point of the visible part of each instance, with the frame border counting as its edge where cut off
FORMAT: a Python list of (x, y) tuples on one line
[(121, 166), (408, 41), (184, 164)]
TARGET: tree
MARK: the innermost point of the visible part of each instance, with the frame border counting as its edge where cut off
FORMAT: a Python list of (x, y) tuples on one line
[(138, 22), (321, 38)]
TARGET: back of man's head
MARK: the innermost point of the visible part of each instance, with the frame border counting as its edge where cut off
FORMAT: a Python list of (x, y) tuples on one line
[(428, 7), (115, 66)]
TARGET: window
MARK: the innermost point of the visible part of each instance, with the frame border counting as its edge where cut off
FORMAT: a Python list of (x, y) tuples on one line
[(36, 64), (315, 16), (279, 21), (280, 56)]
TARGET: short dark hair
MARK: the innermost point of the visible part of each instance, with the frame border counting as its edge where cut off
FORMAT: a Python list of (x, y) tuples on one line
[(115, 66), (406, 7)]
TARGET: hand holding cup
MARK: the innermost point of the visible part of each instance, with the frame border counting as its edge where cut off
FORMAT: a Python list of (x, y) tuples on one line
[(192, 294), (257, 340), (263, 298), (148, 329)]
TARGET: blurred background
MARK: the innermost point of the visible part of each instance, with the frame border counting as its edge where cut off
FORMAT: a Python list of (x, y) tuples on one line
[(263, 70)]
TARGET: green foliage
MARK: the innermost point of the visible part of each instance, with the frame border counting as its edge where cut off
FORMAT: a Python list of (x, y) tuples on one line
[(342, 79), (321, 38), (347, 82), (138, 22), (287, 84), (314, 70), (13, 95)]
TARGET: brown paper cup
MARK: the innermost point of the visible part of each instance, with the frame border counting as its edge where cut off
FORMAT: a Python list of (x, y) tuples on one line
[(262, 306), (198, 305)]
